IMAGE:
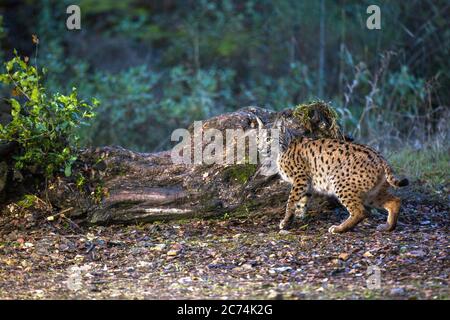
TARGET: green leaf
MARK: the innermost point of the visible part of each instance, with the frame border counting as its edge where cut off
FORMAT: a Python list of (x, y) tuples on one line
[(15, 107), (35, 95), (68, 170), (45, 132)]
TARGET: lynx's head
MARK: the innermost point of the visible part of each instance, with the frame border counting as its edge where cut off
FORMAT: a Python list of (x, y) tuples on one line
[(273, 140), (279, 134)]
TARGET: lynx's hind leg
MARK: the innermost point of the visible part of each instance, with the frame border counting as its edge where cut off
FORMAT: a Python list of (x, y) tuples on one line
[(385, 200), (356, 211)]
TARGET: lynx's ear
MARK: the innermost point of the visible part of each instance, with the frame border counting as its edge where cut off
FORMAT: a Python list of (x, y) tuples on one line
[(260, 123), (280, 125)]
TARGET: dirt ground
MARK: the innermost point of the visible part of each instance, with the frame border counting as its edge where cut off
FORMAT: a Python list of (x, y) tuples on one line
[(229, 258)]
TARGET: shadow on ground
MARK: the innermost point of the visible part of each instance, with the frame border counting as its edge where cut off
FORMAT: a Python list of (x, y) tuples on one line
[(225, 258)]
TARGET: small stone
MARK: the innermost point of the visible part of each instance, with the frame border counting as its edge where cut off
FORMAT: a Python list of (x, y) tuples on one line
[(367, 254), (416, 253), (63, 247), (335, 261), (39, 293), (279, 270), (79, 257), (177, 247), (185, 280), (172, 253), (159, 247), (90, 236), (284, 232), (143, 264), (247, 266), (397, 291)]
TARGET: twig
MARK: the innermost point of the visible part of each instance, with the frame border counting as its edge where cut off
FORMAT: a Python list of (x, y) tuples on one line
[(17, 86), (35, 55)]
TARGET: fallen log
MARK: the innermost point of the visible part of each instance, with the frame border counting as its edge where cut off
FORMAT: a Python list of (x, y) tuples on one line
[(129, 187)]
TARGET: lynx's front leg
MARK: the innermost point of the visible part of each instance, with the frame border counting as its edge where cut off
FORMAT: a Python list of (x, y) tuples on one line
[(298, 191), (301, 207)]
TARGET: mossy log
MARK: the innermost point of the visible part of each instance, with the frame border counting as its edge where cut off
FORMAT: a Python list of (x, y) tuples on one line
[(123, 186)]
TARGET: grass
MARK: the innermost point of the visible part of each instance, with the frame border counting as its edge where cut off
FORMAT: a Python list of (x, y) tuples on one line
[(430, 166)]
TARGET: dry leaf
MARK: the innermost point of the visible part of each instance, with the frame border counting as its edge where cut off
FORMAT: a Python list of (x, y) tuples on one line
[(35, 39), (344, 256)]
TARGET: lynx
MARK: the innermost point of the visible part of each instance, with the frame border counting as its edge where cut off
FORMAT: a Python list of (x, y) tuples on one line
[(355, 174)]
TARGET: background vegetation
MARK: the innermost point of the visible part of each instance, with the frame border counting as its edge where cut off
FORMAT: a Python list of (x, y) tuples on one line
[(157, 65)]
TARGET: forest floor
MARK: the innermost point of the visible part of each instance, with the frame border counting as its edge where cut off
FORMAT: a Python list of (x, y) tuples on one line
[(230, 258)]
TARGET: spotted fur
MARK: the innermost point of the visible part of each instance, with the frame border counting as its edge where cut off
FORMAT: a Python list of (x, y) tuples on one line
[(355, 174)]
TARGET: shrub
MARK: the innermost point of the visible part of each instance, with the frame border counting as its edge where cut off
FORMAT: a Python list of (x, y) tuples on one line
[(43, 125)]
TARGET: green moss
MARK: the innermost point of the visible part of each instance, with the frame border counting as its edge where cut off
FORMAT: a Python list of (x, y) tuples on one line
[(28, 201), (320, 118), (226, 216), (100, 192), (242, 211), (241, 173), (80, 181)]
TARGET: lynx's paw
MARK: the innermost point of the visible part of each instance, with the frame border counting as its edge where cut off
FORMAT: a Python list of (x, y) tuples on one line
[(385, 228), (284, 224), (334, 229), (302, 217)]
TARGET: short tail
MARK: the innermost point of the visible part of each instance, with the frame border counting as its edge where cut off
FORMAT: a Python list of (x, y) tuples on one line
[(391, 179)]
